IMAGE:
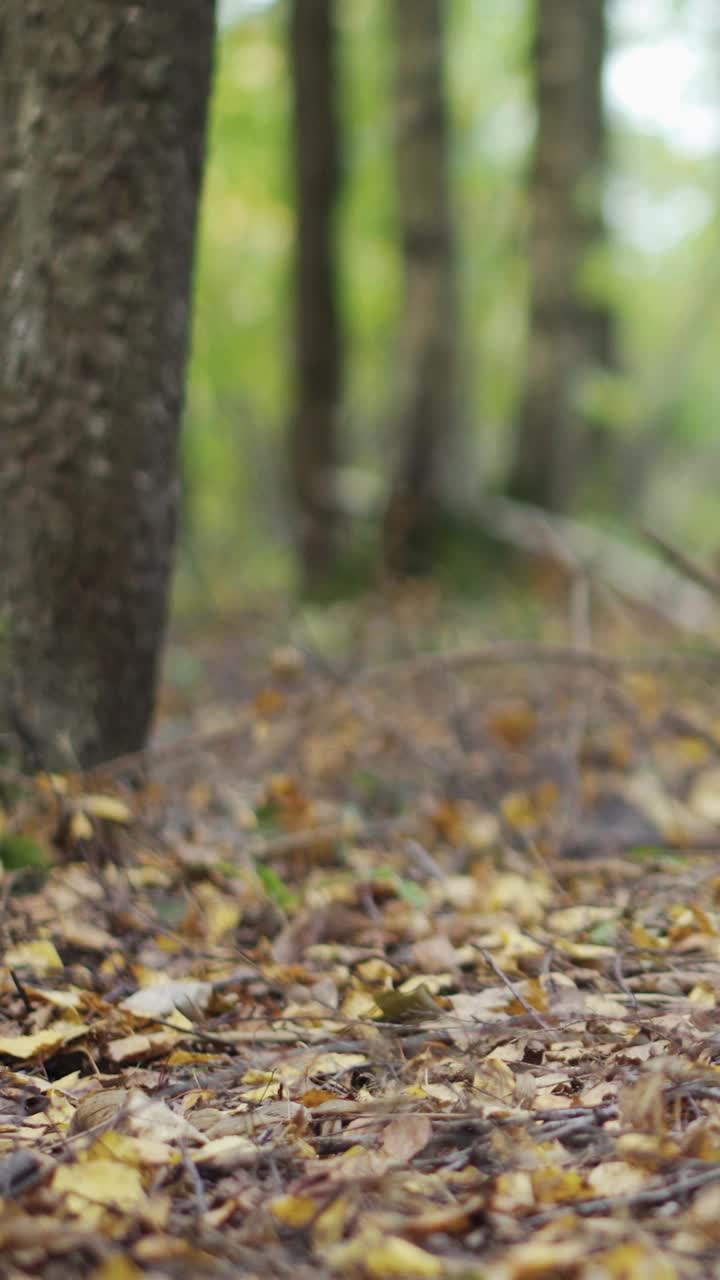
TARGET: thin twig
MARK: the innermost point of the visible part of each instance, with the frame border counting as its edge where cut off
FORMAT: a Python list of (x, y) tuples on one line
[(609, 1205), (511, 987), (685, 563)]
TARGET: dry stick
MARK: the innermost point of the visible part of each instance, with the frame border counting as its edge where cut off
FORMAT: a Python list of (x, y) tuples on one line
[(620, 979), (21, 991), (629, 570), (349, 828), (685, 563), (426, 863), (501, 653), (512, 652), (612, 1204), (511, 987), (200, 1204)]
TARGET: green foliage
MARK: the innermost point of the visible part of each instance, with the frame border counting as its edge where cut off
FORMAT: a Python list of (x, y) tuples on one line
[(238, 394), (275, 888), (660, 409), (406, 889), (18, 852)]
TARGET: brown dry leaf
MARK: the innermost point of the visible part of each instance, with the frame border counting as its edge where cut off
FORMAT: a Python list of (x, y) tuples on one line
[(222, 1155), (642, 1105), (405, 1136), (269, 701), (648, 1151), (85, 936), (164, 997), (615, 1178), (315, 1124), (512, 724), (704, 798), (141, 1048), (544, 1261), (435, 954), (100, 1108)]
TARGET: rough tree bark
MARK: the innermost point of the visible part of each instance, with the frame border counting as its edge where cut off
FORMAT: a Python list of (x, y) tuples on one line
[(427, 392), (318, 339), (102, 147), (570, 336)]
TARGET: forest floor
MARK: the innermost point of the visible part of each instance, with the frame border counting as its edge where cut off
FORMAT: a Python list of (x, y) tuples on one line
[(390, 964)]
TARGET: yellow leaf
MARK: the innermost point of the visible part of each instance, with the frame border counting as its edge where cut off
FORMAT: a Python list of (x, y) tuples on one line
[(523, 810), (329, 1225), (588, 952), (81, 828), (221, 915), (357, 1004), (513, 1191), (293, 1211), (524, 896), (394, 1256), (96, 1185), (407, 1006), (629, 1261), (541, 1260), (41, 956), (107, 807), (494, 1079), (647, 1151), (112, 1145), (262, 1092), (70, 999), (375, 970), (27, 1047), (552, 1185), (117, 1267), (534, 994), (703, 995)]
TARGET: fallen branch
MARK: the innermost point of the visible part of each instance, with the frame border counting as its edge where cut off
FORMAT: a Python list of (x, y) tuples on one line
[(686, 564), (630, 571)]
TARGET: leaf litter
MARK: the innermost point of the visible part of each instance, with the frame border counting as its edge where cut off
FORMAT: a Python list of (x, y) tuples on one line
[(409, 972)]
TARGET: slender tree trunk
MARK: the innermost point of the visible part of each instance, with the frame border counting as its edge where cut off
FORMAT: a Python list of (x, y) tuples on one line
[(318, 338), (429, 324), (570, 337), (102, 148)]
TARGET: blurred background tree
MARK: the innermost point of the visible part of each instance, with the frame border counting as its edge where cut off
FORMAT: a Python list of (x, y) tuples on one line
[(570, 329), (317, 331), (425, 421), (632, 366)]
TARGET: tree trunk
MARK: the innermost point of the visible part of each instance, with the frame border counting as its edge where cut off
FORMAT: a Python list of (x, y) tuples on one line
[(570, 336), (102, 140), (429, 325), (318, 339)]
